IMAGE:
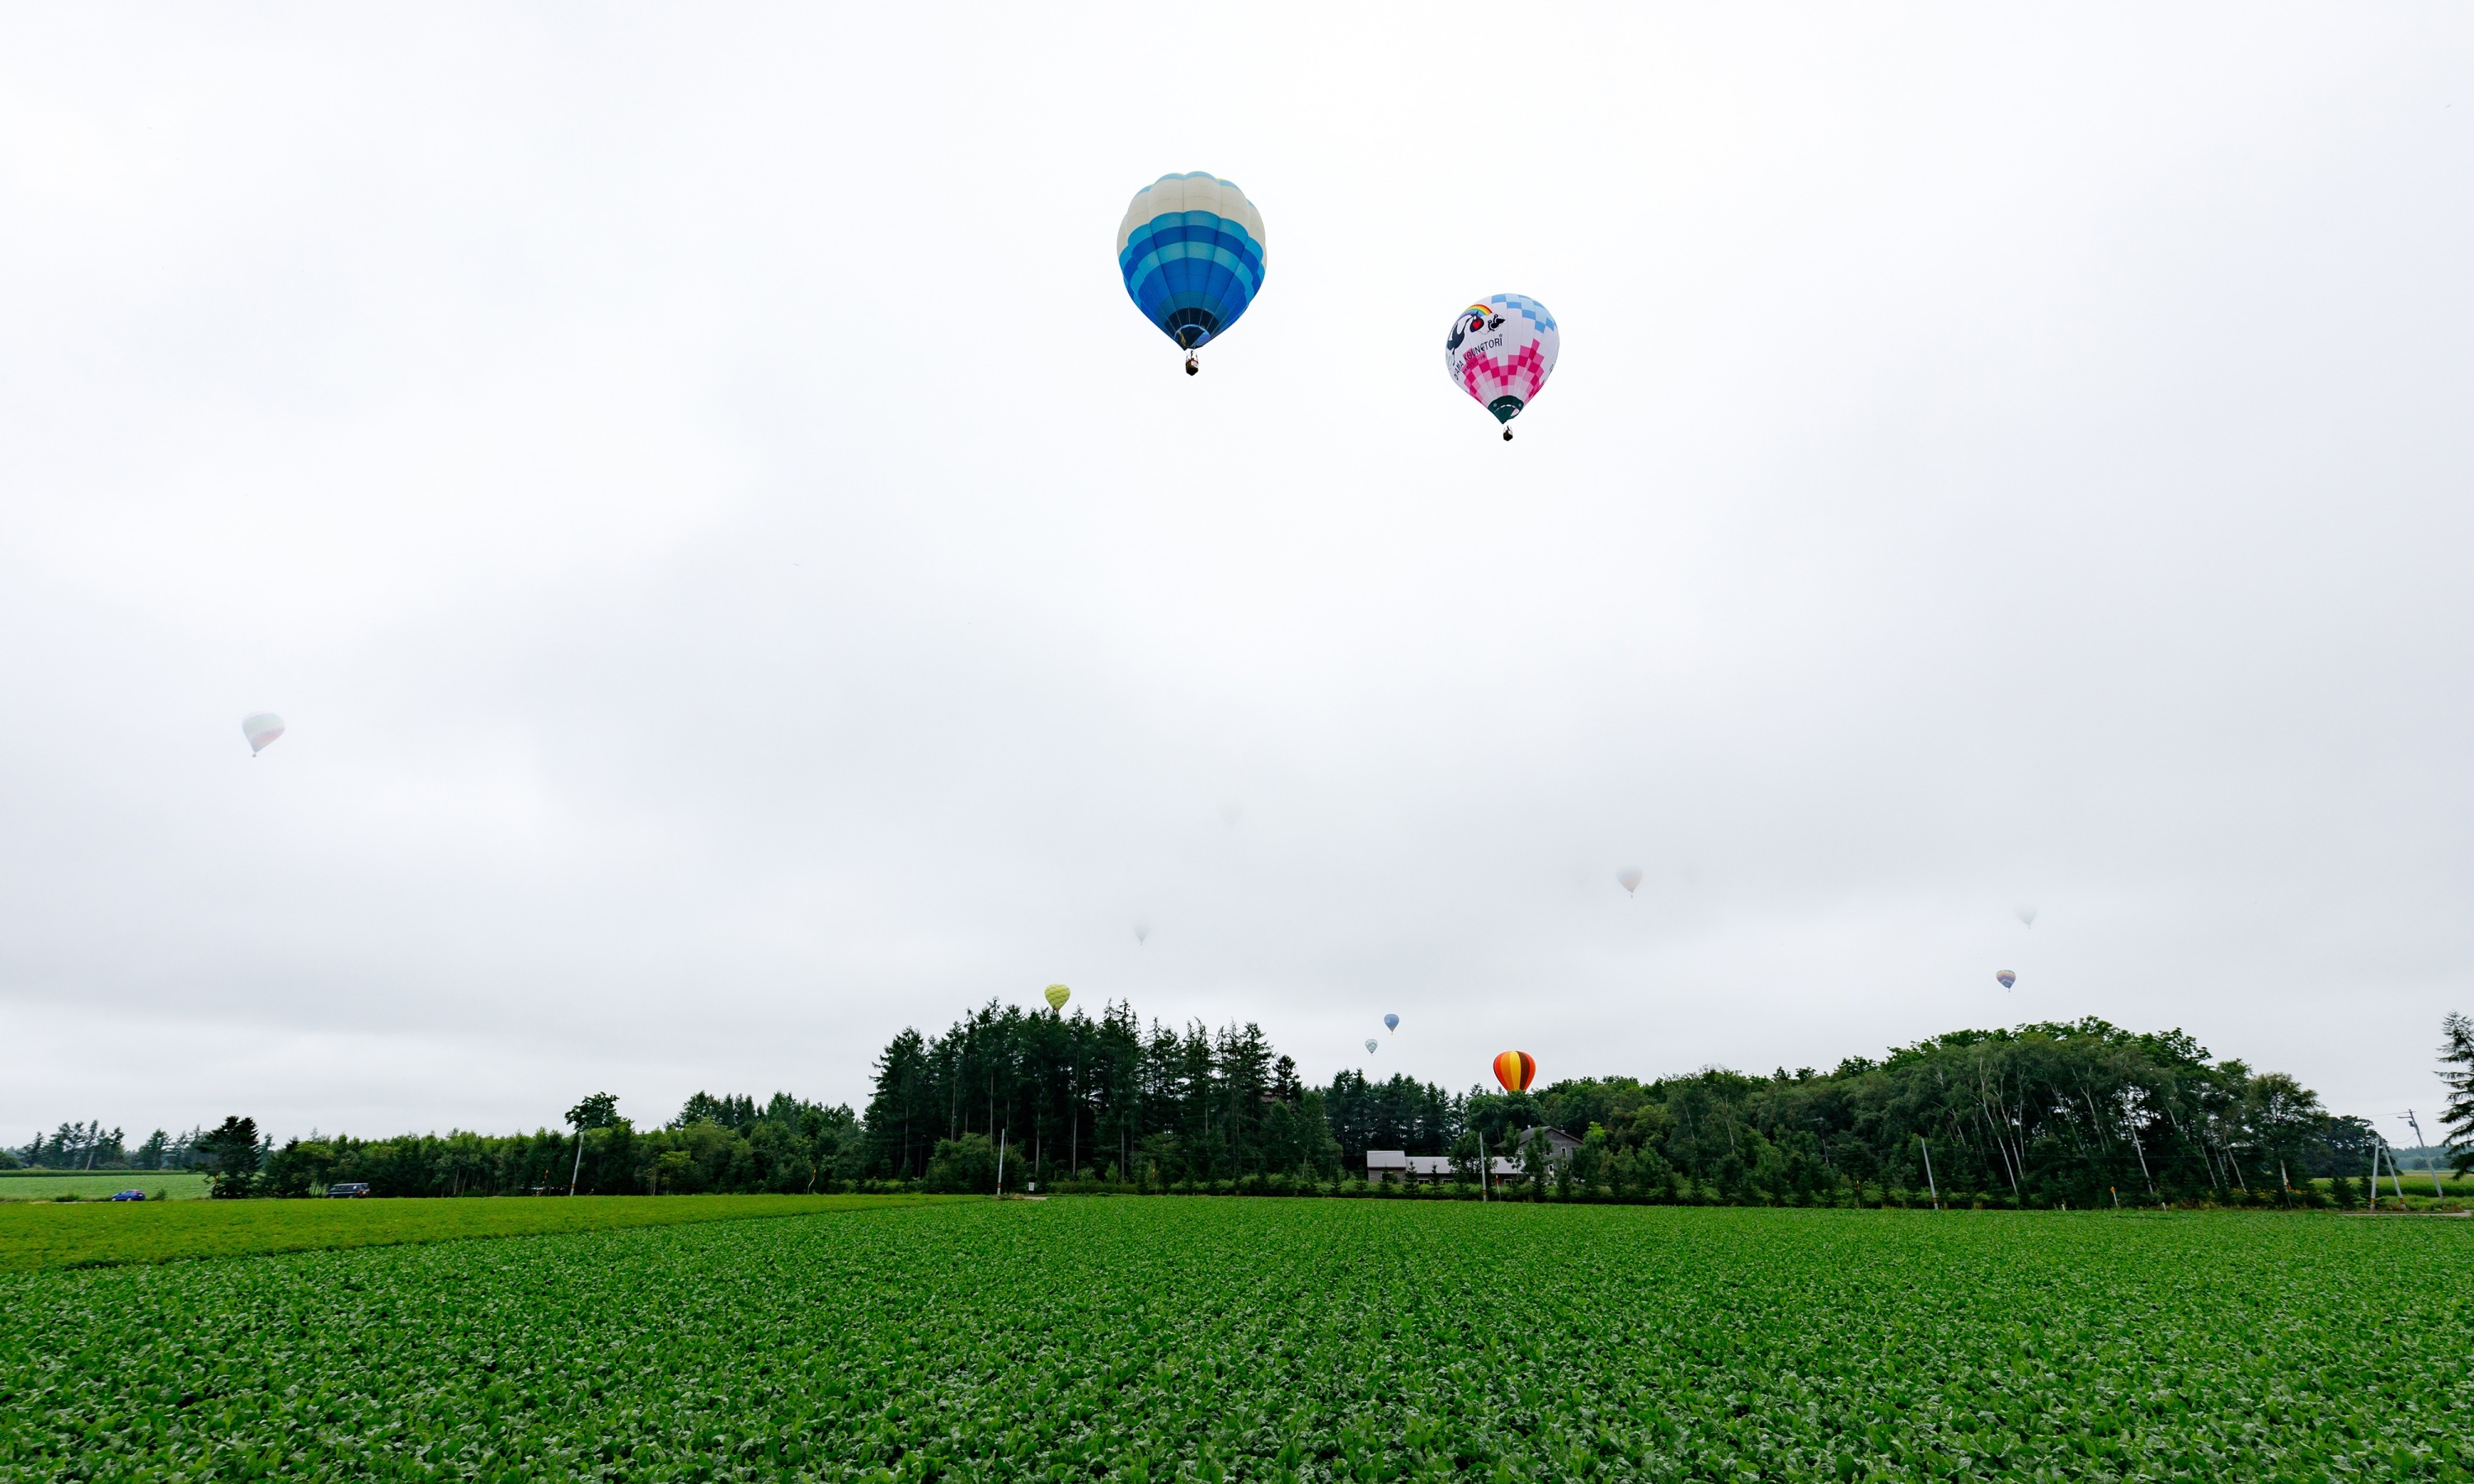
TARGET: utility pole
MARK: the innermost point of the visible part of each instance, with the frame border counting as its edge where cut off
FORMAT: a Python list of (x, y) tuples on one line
[(1930, 1184), (2415, 1124), (1000, 1148), (2379, 1147), (1485, 1169), (574, 1174)]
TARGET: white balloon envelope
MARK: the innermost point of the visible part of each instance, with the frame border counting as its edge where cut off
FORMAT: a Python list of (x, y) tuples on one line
[(1500, 352), (261, 728)]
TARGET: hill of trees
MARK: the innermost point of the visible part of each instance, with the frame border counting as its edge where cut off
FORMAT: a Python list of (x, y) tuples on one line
[(2081, 1112)]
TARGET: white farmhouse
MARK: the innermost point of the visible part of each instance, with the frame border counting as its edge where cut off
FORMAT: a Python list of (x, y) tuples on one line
[(1429, 1170)]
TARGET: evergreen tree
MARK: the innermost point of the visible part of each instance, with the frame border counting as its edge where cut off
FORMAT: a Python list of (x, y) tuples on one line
[(2456, 1062), (230, 1155)]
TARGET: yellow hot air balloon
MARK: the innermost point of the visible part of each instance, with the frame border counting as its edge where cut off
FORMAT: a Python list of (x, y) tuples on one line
[(1057, 996)]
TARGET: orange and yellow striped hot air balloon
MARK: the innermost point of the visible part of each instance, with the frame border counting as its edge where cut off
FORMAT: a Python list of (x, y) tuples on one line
[(1516, 1070)]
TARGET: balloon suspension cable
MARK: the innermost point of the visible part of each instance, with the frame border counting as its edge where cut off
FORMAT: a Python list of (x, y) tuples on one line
[(1192, 364)]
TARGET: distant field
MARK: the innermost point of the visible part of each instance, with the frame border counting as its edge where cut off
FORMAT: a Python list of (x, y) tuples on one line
[(99, 1234), (1191, 1339), (2418, 1188), (2417, 1181), (31, 1186)]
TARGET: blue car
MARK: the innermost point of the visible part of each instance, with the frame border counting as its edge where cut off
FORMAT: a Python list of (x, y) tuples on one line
[(130, 1195), (349, 1190)]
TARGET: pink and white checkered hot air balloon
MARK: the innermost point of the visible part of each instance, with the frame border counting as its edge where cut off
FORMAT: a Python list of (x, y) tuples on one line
[(1501, 351)]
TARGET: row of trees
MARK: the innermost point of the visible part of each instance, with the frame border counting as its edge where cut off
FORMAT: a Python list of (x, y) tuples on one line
[(2042, 1115), (2082, 1111), (90, 1146), (2046, 1113), (2078, 1111), (1054, 1095), (716, 1144)]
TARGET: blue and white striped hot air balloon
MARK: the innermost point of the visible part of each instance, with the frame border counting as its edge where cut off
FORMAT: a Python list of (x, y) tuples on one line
[(1191, 249)]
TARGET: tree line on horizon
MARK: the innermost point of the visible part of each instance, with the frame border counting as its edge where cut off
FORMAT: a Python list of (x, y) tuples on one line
[(90, 1146), (2078, 1113)]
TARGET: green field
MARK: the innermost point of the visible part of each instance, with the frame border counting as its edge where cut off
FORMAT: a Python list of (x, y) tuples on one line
[(100, 1185), (2455, 1195), (34, 1238), (1172, 1338)]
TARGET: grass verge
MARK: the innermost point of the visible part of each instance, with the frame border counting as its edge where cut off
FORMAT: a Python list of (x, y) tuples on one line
[(100, 1185), (84, 1236)]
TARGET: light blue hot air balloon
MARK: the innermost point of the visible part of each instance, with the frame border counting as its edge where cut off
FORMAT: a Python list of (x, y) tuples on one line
[(1391, 1022), (1191, 249)]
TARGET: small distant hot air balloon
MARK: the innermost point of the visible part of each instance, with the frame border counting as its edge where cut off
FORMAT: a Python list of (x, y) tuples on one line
[(1191, 252), (1057, 996), (261, 728), (2027, 913), (1516, 1070), (1391, 1022), (1370, 1046), (1142, 932), (1501, 352), (2008, 978), (1628, 878)]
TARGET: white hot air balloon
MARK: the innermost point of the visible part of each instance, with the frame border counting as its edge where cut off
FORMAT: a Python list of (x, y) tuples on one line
[(1142, 933), (2028, 914), (1629, 878), (261, 727), (1501, 352)]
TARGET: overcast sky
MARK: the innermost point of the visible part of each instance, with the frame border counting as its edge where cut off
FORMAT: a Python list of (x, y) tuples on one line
[(742, 578)]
